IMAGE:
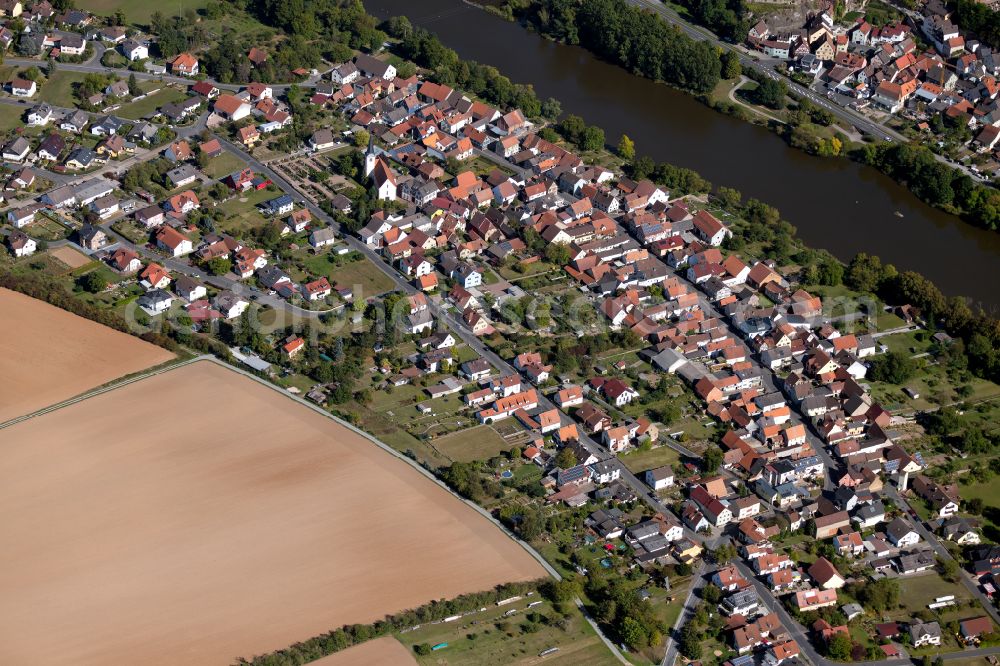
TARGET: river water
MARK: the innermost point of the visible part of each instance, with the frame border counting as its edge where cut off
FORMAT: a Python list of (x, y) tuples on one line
[(835, 204)]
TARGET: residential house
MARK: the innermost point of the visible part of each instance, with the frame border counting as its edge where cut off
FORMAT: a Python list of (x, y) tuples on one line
[(154, 276), (229, 304), (16, 150), (901, 533), (813, 599), (184, 64), (20, 244), (155, 301), (173, 241), (91, 237), (23, 88), (659, 478), (925, 633), (826, 575), (133, 50)]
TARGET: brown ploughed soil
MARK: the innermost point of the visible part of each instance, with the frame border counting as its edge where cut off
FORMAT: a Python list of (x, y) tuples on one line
[(197, 516), (48, 355)]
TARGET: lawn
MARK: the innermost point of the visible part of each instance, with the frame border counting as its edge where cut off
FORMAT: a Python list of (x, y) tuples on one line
[(242, 214), (640, 461), (487, 637), (363, 276), (132, 231), (138, 11), (223, 165), (477, 443), (146, 106), (989, 492), (392, 416), (11, 117), (936, 388), (909, 342), (58, 89), (917, 591)]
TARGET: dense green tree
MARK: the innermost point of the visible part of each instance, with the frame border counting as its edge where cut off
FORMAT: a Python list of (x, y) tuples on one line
[(770, 93), (633, 38), (729, 198), (712, 459), (731, 68), (626, 148), (219, 265), (592, 138), (551, 108), (566, 458), (690, 642), (93, 282), (894, 367), (839, 647)]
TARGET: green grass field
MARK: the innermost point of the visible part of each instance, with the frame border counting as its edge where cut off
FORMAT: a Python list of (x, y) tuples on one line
[(918, 591), (58, 90), (139, 11), (223, 165), (146, 106), (11, 117), (242, 214), (365, 274), (640, 461), (478, 443), (488, 637), (989, 492)]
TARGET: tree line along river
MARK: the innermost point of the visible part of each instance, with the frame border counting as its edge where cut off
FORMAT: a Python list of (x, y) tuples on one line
[(835, 204)]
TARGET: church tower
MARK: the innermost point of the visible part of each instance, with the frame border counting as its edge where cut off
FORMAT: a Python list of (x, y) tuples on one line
[(370, 157)]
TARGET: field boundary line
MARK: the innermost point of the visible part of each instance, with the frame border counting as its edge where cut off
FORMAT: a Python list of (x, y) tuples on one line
[(388, 449), (101, 390), (317, 409), (427, 473)]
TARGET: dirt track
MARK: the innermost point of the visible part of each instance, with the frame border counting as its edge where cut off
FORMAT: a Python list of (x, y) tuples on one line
[(197, 516), (48, 355), (385, 651)]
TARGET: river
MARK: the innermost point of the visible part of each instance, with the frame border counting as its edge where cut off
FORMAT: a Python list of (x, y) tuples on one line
[(835, 204)]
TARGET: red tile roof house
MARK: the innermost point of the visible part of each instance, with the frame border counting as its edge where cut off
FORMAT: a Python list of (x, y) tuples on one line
[(614, 390), (124, 260), (826, 575), (183, 203), (807, 600), (173, 241), (505, 407), (973, 629), (571, 396), (317, 290), (257, 56), (710, 229), (154, 276), (184, 64), (205, 89), (292, 347)]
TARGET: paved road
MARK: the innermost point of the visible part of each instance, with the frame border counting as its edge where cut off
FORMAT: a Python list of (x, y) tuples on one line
[(770, 383), (687, 611), (760, 63), (747, 61), (799, 633), (458, 326), (941, 551)]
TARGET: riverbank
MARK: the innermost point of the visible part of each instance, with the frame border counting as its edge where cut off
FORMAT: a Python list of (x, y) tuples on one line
[(600, 25), (839, 205)]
